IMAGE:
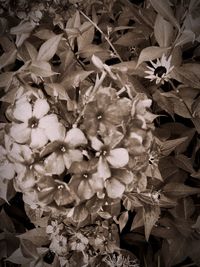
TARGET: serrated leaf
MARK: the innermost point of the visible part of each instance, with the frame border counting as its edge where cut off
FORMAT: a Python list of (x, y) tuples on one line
[(180, 190), (49, 48), (150, 53), (150, 215), (37, 236), (163, 8), (123, 219), (163, 31)]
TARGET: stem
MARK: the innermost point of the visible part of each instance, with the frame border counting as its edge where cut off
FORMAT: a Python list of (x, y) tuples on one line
[(78, 61), (103, 34), (96, 87)]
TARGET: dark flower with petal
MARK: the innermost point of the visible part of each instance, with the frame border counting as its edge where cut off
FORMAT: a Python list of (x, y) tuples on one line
[(105, 112), (85, 180)]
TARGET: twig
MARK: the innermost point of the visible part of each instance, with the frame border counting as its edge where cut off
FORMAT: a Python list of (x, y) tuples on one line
[(96, 87), (103, 34)]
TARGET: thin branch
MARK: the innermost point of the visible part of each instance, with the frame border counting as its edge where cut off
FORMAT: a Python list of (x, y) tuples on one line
[(103, 34)]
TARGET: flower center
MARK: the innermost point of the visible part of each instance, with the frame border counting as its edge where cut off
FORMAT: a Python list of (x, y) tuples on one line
[(85, 175), (62, 148), (33, 122), (99, 116), (160, 71)]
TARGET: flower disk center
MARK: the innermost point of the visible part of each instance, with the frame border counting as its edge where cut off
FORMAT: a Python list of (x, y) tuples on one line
[(160, 71), (33, 122)]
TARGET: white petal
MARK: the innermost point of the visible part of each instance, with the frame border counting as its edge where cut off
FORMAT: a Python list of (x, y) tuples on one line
[(7, 171), (71, 156), (20, 132), (103, 168), (118, 157), (54, 164), (23, 111), (114, 188), (38, 138), (96, 182), (41, 108), (149, 72), (53, 129), (96, 143), (85, 191), (75, 137)]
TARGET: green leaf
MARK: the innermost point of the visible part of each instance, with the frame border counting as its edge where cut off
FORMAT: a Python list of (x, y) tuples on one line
[(138, 220), (130, 39), (5, 78), (188, 74), (180, 190), (123, 219), (184, 163), (163, 31), (186, 36), (168, 146), (8, 58), (150, 53), (18, 258), (75, 78), (6, 222), (37, 236), (41, 68), (150, 215), (49, 48), (163, 8)]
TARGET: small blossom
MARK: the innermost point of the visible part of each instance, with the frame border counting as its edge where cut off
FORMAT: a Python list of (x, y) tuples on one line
[(33, 125), (54, 228), (85, 180), (160, 72), (109, 157), (65, 151), (116, 184), (59, 245), (78, 242), (105, 112)]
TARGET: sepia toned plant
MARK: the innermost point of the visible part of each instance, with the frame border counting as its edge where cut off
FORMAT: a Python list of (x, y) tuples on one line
[(99, 131)]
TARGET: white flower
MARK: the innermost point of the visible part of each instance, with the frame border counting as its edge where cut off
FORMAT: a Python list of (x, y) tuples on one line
[(78, 242), (7, 170), (54, 228), (59, 245), (65, 151), (160, 70), (33, 124)]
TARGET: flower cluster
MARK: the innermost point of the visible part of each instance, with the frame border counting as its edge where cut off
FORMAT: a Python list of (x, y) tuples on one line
[(90, 243), (81, 170)]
